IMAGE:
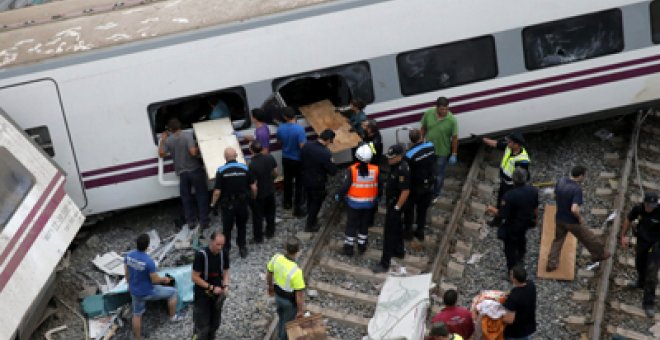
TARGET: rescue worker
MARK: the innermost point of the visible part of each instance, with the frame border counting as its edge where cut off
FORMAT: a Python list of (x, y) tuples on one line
[(373, 138), (440, 127), (317, 163), (421, 158), (285, 281), (210, 274), (292, 137), (519, 212), (264, 169), (515, 155), (234, 187), (647, 257), (397, 190), (360, 189)]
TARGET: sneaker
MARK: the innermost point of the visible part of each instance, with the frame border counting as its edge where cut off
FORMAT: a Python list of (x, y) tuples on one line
[(176, 318), (649, 311), (243, 252), (379, 268)]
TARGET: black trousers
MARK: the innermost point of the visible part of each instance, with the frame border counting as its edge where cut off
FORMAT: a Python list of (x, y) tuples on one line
[(515, 247), (357, 226), (207, 315), (236, 212), (415, 210), (647, 261), (393, 236), (315, 197), (263, 208), (504, 188), (292, 180)]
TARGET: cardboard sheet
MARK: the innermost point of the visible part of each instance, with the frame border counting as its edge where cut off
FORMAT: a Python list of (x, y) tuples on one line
[(566, 270), (213, 136), (322, 115)]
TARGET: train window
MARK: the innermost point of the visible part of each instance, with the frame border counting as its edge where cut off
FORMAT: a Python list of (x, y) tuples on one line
[(41, 136), (338, 84), (211, 105), (15, 183), (655, 21), (442, 66), (573, 39)]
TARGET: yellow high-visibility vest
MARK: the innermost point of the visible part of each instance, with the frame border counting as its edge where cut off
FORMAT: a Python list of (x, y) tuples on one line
[(509, 161), (286, 273)]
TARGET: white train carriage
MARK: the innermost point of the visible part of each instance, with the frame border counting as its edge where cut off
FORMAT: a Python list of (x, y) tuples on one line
[(96, 90), (37, 223)]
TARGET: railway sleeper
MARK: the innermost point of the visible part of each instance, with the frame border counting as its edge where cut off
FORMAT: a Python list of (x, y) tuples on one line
[(628, 334), (418, 262), (631, 310), (623, 282), (343, 293), (341, 317)]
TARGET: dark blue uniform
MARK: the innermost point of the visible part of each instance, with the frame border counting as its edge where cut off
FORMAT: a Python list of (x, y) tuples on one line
[(421, 158), (519, 214), (317, 165), (233, 180), (398, 180), (647, 255)]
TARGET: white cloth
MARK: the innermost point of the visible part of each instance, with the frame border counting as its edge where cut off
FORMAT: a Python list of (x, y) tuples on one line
[(493, 309)]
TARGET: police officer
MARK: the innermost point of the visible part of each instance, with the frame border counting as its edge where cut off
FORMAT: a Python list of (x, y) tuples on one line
[(397, 190), (360, 188), (317, 164), (233, 186), (420, 158), (515, 155), (647, 258), (285, 281), (519, 212)]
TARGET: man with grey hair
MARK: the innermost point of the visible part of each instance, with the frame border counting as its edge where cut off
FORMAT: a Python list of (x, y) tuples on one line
[(519, 211)]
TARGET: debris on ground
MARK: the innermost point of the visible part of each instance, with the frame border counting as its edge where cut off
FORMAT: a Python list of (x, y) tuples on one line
[(475, 258), (110, 263), (50, 333), (604, 134)]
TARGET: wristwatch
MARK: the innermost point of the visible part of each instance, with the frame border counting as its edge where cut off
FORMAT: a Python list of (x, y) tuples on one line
[(396, 207)]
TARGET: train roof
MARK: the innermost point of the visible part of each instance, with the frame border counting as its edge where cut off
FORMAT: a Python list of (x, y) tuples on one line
[(61, 28)]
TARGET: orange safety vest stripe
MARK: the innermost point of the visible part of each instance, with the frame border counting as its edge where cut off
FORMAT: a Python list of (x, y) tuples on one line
[(363, 188)]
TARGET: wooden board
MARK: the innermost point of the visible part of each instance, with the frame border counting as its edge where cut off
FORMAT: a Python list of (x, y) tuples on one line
[(322, 115), (310, 328), (213, 136), (566, 270)]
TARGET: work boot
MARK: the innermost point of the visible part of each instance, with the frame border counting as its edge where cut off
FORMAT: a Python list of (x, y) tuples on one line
[(379, 268), (347, 250), (550, 268), (300, 213), (399, 255), (649, 311), (312, 229), (243, 252), (287, 206), (408, 234), (419, 235), (362, 248)]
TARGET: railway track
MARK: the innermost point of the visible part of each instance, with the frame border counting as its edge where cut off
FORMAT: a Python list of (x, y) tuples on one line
[(346, 291), (617, 309)]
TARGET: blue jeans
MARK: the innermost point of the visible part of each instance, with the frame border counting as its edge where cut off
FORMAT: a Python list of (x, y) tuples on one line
[(529, 337), (286, 311), (440, 167), (187, 181), (159, 293)]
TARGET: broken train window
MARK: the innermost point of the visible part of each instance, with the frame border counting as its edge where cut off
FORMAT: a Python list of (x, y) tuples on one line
[(442, 66), (573, 39), (339, 84), (655, 21), (15, 183)]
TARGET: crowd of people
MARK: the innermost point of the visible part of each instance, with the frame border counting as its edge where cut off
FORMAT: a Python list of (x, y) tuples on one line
[(407, 185)]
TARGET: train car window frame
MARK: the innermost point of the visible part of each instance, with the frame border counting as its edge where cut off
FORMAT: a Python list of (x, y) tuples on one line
[(537, 53), (200, 106), (654, 13), (16, 182), (362, 88), (41, 136)]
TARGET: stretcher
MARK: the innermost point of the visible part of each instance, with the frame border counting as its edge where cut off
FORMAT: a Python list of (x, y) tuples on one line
[(322, 115), (566, 269), (213, 136)]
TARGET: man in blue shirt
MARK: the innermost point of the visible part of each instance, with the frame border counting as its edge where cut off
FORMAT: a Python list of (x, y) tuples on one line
[(292, 137), (144, 284), (568, 194)]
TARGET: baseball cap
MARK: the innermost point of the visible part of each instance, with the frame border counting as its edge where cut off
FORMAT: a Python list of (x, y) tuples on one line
[(394, 150), (651, 199), (516, 137), (327, 134)]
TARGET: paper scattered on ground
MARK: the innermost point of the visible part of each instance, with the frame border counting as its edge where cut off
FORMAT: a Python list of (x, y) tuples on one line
[(483, 232), (612, 216), (110, 263), (98, 325), (475, 258)]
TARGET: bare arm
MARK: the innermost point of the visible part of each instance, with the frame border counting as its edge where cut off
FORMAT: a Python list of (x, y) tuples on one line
[(157, 280), (509, 317), (575, 209), (624, 230), (194, 151), (454, 145), (126, 273), (253, 187), (269, 282), (423, 131), (161, 145), (489, 141), (197, 279), (300, 303), (403, 197), (216, 197)]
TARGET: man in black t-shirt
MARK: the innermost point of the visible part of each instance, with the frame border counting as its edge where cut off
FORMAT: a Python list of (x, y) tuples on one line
[(520, 306), (264, 169), (317, 164), (647, 257), (210, 274), (234, 186)]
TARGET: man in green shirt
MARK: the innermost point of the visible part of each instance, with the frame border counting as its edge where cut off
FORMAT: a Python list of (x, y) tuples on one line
[(439, 126)]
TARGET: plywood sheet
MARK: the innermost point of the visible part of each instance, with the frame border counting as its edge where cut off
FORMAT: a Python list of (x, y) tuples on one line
[(309, 328), (213, 136), (566, 270), (322, 115)]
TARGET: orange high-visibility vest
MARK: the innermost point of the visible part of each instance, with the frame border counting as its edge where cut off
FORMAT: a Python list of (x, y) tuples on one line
[(364, 189)]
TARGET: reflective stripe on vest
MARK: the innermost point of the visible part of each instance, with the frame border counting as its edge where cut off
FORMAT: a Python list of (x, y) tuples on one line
[(363, 188), (509, 163), (280, 265)]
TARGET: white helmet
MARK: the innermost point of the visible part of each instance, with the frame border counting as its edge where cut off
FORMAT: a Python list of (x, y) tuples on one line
[(363, 153)]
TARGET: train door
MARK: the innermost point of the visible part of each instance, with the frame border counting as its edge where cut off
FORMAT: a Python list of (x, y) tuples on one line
[(37, 223), (37, 109)]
